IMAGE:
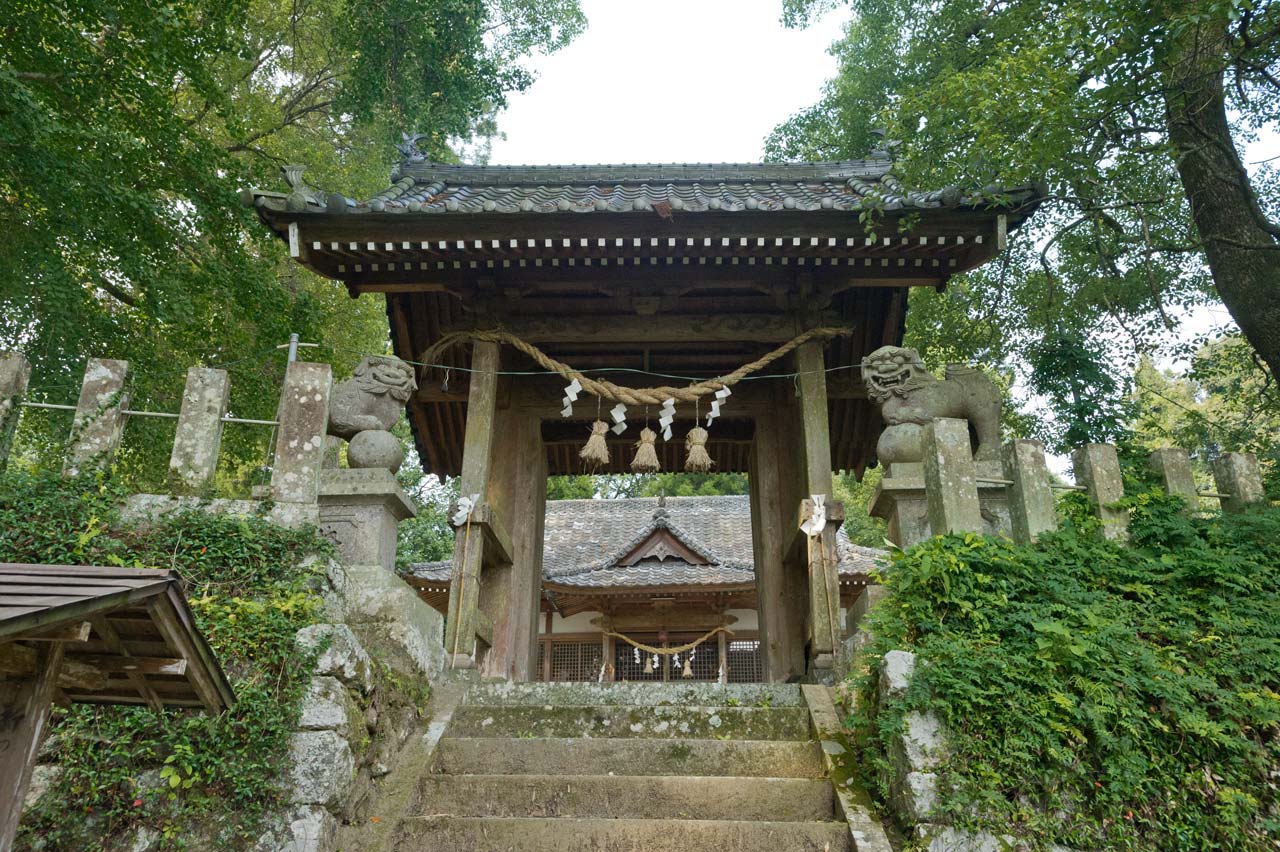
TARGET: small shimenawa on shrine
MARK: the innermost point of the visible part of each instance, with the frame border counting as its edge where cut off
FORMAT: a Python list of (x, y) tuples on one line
[(569, 319)]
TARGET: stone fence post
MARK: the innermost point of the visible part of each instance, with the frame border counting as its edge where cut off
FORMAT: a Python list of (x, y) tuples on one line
[(950, 477), (1239, 479), (198, 438), (300, 437), (1031, 505), (1173, 466), (99, 420), (1097, 468), (15, 372)]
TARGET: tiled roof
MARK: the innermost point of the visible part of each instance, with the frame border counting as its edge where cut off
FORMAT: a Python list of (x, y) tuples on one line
[(424, 187), (584, 539)]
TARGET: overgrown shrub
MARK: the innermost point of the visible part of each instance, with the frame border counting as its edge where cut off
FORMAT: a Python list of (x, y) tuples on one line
[(1098, 696), (250, 590)]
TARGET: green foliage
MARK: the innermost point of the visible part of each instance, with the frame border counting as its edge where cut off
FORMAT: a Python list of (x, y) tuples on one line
[(1075, 95), (250, 591), (1098, 696), (1225, 402), (858, 524), (127, 130)]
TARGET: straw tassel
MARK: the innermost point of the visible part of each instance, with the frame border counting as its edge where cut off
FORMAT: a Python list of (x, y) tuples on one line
[(695, 444), (596, 451), (688, 669), (646, 460)]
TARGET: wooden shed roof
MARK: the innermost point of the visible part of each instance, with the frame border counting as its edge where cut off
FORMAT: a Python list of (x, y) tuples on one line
[(130, 635)]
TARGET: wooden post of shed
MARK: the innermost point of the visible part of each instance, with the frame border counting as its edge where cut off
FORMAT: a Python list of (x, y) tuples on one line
[(15, 372), (722, 646), (24, 710), (823, 561), (468, 550)]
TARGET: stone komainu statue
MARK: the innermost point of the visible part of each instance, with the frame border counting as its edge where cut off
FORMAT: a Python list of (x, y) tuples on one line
[(364, 407), (909, 397)]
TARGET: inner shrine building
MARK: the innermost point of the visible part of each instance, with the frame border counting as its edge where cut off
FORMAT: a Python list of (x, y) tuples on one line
[(643, 275)]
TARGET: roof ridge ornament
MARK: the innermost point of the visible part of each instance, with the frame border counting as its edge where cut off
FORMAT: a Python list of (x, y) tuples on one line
[(301, 194), (884, 147), (408, 147)]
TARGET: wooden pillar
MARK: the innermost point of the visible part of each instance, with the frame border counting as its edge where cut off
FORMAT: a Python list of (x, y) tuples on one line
[(509, 594), (99, 420), (773, 482), (198, 437), (24, 710), (15, 372), (821, 554), (608, 650), (722, 645), (303, 419), (468, 550)]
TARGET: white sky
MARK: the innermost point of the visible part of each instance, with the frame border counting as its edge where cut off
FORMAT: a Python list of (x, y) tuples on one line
[(668, 81)]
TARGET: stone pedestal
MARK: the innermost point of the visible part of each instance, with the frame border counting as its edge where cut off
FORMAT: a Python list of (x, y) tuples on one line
[(900, 500), (360, 510)]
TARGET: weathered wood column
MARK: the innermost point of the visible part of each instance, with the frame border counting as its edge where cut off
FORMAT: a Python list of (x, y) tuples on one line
[(510, 590), (822, 557), (781, 598), (24, 710), (468, 550), (15, 372)]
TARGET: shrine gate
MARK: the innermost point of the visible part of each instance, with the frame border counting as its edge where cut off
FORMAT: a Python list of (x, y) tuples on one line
[(644, 275)]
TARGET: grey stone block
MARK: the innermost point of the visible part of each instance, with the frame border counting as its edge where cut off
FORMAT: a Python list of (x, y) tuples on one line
[(322, 768), (327, 706), (344, 658), (896, 672)]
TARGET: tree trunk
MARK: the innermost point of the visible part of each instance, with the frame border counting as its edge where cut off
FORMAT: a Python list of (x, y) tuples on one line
[(1240, 244)]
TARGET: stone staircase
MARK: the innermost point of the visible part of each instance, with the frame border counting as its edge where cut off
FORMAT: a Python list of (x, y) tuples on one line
[(625, 768)]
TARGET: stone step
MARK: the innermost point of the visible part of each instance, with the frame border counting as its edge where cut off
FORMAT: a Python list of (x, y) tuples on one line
[(575, 756), (661, 721), (488, 834), (635, 694), (629, 797)]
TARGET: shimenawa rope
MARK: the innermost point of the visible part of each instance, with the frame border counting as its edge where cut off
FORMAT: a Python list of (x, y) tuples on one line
[(617, 393), (668, 652)]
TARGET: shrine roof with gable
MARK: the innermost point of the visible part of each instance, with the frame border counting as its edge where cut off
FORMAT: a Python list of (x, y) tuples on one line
[(585, 542)]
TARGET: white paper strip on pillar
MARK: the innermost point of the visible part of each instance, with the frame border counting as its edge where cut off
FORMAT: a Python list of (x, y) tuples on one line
[(817, 521), (720, 396), (666, 415), (619, 415), (465, 506)]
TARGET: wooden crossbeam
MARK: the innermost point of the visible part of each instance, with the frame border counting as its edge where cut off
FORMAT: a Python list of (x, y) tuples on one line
[(139, 680)]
